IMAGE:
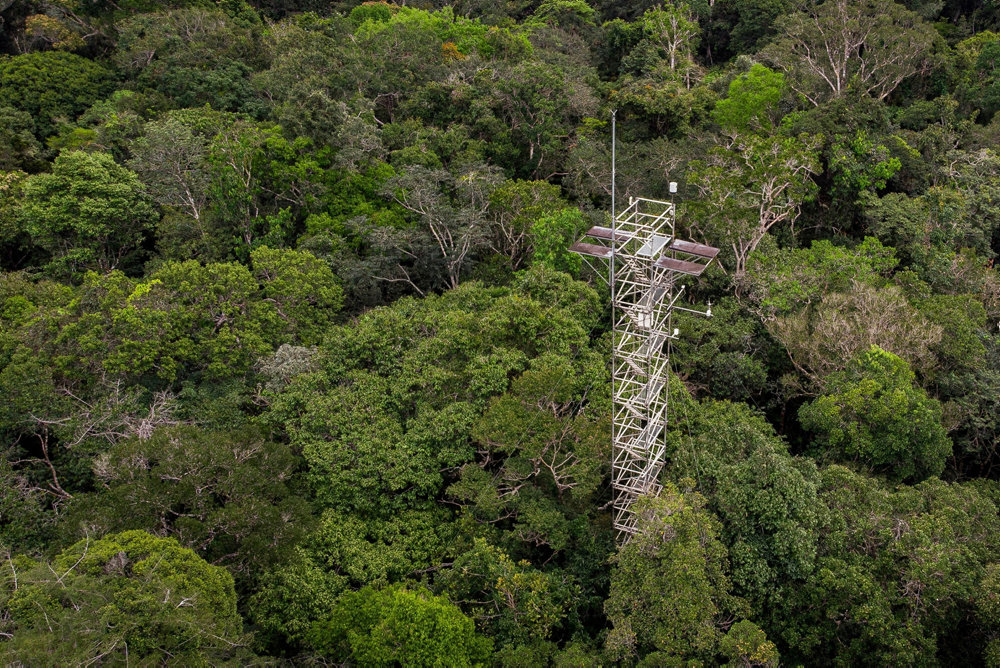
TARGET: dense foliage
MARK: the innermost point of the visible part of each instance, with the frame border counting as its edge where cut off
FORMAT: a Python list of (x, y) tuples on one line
[(295, 365)]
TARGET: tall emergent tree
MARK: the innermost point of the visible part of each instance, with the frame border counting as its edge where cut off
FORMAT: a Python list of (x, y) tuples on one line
[(758, 176), (869, 46)]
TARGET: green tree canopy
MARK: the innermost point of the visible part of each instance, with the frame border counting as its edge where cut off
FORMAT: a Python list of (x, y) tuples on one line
[(89, 213), (346, 551), (125, 595), (515, 602), (669, 587), (167, 51), (898, 569), (766, 499), (391, 413), (872, 413), (53, 86), (220, 318), (397, 626), (541, 443)]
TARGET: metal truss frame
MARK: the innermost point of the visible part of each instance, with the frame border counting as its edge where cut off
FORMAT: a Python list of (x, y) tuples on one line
[(645, 262)]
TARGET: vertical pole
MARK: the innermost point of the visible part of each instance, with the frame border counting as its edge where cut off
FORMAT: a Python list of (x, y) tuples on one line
[(614, 333), (614, 113), (672, 187)]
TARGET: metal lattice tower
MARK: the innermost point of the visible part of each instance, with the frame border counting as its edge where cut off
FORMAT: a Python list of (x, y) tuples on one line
[(645, 262)]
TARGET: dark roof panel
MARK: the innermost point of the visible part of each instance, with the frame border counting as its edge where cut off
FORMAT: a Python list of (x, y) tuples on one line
[(669, 263), (692, 248), (592, 250), (605, 233)]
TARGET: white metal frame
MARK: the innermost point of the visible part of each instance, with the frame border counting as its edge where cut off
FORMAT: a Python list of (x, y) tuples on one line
[(644, 267)]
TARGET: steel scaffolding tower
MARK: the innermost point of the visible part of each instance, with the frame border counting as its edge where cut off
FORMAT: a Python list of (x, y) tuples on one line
[(645, 261)]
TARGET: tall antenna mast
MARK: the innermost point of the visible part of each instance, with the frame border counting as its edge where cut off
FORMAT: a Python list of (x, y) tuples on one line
[(645, 262), (612, 284), (614, 114)]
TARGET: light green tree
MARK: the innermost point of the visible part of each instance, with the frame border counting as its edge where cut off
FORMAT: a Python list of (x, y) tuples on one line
[(752, 102), (301, 288), (221, 317), (89, 213), (552, 236), (259, 181), (125, 596), (783, 281), (757, 177), (397, 626), (570, 15), (171, 160), (859, 165), (827, 304), (672, 33), (873, 414)]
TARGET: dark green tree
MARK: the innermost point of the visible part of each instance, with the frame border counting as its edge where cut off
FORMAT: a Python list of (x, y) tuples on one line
[(514, 602), (391, 414), (19, 150), (227, 495), (53, 86), (169, 52), (543, 445), (669, 589), (897, 573), (766, 500)]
